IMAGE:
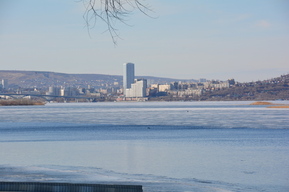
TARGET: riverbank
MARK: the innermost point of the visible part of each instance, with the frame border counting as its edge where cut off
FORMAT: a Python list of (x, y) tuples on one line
[(272, 105), (16, 102)]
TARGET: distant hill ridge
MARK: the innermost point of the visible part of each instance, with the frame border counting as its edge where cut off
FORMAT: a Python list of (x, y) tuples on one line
[(45, 79)]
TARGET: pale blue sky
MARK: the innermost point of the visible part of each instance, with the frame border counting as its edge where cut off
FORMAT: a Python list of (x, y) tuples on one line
[(246, 40)]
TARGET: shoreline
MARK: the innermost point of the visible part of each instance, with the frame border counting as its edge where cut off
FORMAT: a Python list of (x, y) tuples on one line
[(20, 102), (271, 105)]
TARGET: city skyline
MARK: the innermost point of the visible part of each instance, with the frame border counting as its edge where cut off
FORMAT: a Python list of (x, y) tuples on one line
[(245, 40)]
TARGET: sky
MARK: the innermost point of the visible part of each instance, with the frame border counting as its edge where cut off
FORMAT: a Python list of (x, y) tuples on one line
[(246, 40)]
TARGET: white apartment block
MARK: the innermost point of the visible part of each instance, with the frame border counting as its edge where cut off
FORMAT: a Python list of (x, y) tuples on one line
[(128, 76), (138, 88)]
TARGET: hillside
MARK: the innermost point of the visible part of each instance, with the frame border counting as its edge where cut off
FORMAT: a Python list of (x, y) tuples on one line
[(42, 79), (271, 89)]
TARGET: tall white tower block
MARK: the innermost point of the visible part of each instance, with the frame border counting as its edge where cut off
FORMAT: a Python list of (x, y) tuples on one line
[(128, 76)]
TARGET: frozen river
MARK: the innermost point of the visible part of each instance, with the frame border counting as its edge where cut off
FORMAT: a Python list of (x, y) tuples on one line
[(164, 146)]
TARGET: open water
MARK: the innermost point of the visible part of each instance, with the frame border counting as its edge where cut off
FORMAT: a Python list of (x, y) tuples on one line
[(164, 146)]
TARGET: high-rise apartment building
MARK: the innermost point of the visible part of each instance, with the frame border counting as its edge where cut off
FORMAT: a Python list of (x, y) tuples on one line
[(133, 87), (53, 91), (4, 83), (138, 88), (128, 76)]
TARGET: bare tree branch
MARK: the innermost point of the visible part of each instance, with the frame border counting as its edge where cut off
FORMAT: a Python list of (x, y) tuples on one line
[(111, 11)]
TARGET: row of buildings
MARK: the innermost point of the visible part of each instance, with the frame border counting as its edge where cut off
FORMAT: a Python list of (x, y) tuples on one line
[(131, 89)]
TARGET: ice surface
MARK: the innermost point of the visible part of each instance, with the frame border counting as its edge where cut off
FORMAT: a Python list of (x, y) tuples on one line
[(170, 146)]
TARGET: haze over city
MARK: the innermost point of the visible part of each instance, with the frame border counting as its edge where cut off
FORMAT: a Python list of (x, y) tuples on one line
[(245, 40)]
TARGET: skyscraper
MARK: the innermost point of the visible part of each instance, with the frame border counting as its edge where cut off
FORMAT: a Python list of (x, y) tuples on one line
[(128, 76)]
